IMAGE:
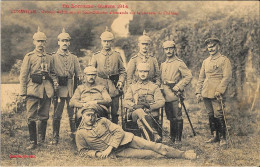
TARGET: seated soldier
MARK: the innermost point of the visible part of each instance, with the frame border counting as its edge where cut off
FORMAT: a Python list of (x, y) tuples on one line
[(99, 137), (91, 93), (143, 99)]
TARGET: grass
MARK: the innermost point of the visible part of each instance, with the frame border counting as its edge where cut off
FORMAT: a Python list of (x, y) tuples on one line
[(14, 137)]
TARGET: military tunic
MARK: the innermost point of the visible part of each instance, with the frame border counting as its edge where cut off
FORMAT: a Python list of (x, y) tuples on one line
[(87, 92), (150, 91), (154, 73), (66, 64), (215, 74), (174, 70), (38, 101)]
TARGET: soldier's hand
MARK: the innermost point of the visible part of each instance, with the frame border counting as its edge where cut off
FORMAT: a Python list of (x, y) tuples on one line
[(175, 88), (119, 85), (23, 97), (106, 152), (199, 97), (145, 105), (217, 94)]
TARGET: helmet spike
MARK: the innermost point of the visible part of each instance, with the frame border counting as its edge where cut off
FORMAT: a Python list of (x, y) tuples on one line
[(144, 33), (107, 28), (63, 30), (38, 29)]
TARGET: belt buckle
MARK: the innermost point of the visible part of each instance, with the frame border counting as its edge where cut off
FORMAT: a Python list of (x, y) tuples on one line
[(43, 77)]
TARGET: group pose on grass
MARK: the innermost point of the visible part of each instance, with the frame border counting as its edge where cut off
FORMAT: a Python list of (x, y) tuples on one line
[(144, 86)]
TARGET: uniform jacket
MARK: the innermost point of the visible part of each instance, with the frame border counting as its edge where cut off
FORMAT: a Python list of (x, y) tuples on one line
[(32, 64), (174, 70), (148, 89), (66, 64), (215, 74), (154, 73), (102, 134), (86, 92), (107, 64)]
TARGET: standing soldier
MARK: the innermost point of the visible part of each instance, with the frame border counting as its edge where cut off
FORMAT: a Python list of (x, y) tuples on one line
[(175, 76), (36, 81), (111, 69), (66, 65), (144, 99), (215, 74), (143, 57)]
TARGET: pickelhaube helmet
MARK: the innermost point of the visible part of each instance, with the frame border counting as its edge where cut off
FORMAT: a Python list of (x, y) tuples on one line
[(39, 35), (107, 35), (144, 38), (143, 67), (64, 35), (168, 44), (90, 70)]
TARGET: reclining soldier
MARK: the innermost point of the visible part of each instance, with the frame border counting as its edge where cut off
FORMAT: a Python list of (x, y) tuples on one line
[(99, 137), (91, 93), (143, 99)]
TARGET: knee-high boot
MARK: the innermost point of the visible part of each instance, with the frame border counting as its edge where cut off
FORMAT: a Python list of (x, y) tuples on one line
[(214, 129), (72, 128), (42, 130), (180, 129), (56, 131), (173, 129), (32, 135)]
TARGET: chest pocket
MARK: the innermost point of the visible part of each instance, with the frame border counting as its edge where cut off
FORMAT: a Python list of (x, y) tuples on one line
[(101, 130)]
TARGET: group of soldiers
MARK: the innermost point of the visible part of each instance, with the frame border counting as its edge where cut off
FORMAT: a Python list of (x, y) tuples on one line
[(46, 76)]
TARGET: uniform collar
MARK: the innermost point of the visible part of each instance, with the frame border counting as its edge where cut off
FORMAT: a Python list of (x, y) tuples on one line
[(142, 82), (40, 54), (90, 85), (215, 56), (143, 55), (62, 53), (107, 53), (168, 60)]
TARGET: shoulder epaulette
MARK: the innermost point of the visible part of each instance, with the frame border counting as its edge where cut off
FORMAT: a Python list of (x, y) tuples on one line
[(97, 52), (30, 53), (134, 56)]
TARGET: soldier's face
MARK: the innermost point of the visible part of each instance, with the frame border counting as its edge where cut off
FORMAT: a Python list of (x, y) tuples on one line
[(169, 51), (213, 49), (39, 44), (106, 44), (143, 74), (89, 118), (64, 44), (90, 78), (144, 47)]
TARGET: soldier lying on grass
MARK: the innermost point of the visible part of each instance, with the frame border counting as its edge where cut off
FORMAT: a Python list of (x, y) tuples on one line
[(99, 137)]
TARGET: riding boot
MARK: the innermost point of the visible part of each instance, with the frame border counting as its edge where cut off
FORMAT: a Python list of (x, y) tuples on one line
[(72, 128), (78, 122), (180, 129), (214, 128), (42, 130), (147, 130), (56, 131), (154, 125), (33, 135), (222, 130), (173, 129)]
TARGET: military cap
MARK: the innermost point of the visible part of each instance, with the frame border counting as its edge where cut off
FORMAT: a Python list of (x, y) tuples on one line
[(39, 35), (143, 67), (144, 38), (106, 35), (168, 44), (212, 40), (89, 108), (90, 70), (64, 35)]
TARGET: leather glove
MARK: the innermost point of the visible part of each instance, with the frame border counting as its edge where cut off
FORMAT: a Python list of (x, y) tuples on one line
[(199, 97), (137, 106)]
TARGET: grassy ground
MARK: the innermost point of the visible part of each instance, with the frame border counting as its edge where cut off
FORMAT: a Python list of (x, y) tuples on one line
[(14, 140)]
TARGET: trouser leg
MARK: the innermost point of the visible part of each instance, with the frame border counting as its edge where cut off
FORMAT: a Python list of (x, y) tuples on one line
[(114, 109), (42, 130), (32, 135), (56, 120), (140, 143), (71, 119), (180, 129)]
